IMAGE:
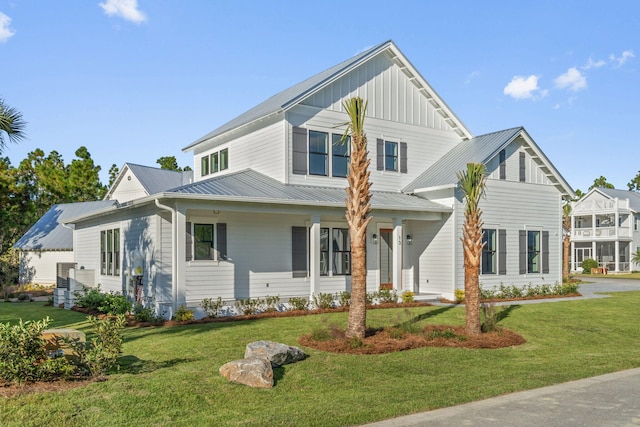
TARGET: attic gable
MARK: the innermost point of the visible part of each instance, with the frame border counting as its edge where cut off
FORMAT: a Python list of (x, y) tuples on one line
[(392, 66)]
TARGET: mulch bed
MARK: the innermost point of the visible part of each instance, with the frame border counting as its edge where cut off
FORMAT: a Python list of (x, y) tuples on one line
[(379, 341), (11, 390)]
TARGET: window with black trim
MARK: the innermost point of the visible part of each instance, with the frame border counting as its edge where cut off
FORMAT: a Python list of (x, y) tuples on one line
[(503, 164), (224, 159), (214, 163), (488, 264), (110, 252), (340, 155), (204, 166), (318, 153), (324, 251), (203, 241), (533, 252), (390, 156), (341, 248)]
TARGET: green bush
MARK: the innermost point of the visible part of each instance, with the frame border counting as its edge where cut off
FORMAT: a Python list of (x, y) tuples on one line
[(298, 303), (97, 358), (458, 294), (183, 314), (322, 300), (23, 356), (588, 264), (387, 296), (271, 303), (145, 314), (115, 303), (407, 296), (344, 298), (212, 307), (250, 306), (90, 298)]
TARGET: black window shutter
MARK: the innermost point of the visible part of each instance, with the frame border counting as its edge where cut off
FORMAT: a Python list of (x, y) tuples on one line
[(379, 154), (299, 251), (189, 242), (522, 168), (502, 251), (403, 157), (221, 240), (545, 252), (299, 151), (503, 165), (522, 237)]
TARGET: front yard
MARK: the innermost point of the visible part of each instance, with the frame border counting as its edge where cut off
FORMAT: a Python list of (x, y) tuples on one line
[(169, 376)]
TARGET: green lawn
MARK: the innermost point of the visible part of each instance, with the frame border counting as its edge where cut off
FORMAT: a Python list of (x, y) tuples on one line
[(169, 376), (586, 277)]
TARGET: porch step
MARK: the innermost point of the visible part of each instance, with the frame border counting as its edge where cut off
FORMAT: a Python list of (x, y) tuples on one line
[(427, 297)]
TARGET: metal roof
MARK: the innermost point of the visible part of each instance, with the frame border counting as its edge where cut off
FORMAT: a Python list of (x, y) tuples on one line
[(251, 186), (477, 150), (634, 198), (295, 94), (48, 233), (156, 180)]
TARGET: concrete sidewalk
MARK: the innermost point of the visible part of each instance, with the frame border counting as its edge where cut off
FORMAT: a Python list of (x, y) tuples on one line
[(606, 400)]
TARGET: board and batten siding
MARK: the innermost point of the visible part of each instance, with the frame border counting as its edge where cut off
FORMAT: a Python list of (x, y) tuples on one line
[(390, 93), (424, 147), (533, 173), (262, 150), (514, 206)]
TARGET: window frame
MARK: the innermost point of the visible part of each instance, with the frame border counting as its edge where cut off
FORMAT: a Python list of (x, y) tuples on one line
[(197, 240), (336, 140), (110, 252), (214, 163), (204, 166), (393, 157), (313, 152), (224, 159), (344, 253), (534, 254), (489, 251)]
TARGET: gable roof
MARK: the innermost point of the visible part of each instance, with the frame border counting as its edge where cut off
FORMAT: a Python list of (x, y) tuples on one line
[(251, 186), (634, 198), (153, 180), (481, 149), (296, 94), (49, 233)]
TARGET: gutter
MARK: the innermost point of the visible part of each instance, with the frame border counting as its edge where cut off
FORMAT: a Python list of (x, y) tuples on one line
[(174, 263)]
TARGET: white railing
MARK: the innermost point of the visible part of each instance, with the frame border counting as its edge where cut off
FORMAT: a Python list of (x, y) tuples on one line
[(600, 205), (601, 232)]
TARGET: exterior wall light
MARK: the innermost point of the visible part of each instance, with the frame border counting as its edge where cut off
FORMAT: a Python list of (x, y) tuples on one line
[(409, 239), (374, 237)]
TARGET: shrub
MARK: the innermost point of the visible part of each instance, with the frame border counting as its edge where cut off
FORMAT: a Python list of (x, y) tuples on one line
[(144, 314), (183, 314), (212, 307), (344, 298), (271, 303), (105, 348), (90, 298), (387, 296), (322, 300), (114, 304), (370, 297), (407, 296), (23, 356), (588, 264), (458, 294), (298, 303), (489, 317), (407, 323), (250, 306)]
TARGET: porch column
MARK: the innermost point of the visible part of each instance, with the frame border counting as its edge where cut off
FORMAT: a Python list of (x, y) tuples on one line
[(574, 266), (594, 254), (179, 287), (617, 254), (397, 254), (616, 224), (593, 226), (314, 256)]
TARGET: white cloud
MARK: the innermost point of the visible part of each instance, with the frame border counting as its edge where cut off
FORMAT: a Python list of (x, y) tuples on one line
[(5, 32), (591, 63), (471, 77), (624, 57), (572, 80), (127, 9), (524, 87)]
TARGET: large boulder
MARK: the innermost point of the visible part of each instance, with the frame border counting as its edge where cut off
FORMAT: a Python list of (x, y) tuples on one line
[(276, 353), (254, 372)]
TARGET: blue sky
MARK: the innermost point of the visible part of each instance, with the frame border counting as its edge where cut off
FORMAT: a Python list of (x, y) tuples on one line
[(136, 80)]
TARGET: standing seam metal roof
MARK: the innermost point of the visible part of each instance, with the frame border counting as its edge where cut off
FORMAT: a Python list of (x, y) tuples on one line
[(156, 180), (634, 198)]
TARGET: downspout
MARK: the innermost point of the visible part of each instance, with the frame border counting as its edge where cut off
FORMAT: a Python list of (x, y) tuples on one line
[(174, 263)]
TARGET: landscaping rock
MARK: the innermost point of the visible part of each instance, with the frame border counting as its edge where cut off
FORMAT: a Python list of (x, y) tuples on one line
[(278, 354), (254, 372)]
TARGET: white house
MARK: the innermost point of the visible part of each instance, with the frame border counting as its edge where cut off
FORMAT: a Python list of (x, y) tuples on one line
[(605, 226), (265, 213)]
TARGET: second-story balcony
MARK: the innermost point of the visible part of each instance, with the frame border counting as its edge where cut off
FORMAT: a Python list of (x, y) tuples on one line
[(601, 233)]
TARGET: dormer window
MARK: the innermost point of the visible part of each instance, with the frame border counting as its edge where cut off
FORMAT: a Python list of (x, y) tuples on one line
[(215, 162), (204, 166), (224, 159)]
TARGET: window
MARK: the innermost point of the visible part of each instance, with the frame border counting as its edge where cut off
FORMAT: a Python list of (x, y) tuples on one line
[(503, 165), (324, 251), (341, 251), (488, 265), (318, 153), (523, 174), (204, 166), (341, 154), (390, 156), (110, 252), (533, 252), (224, 159), (214, 163), (203, 242)]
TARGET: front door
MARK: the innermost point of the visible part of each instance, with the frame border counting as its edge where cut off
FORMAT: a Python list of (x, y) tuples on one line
[(386, 258)]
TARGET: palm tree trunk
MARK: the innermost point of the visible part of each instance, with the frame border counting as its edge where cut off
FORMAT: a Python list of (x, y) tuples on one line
[(565, 265), (472, 244)]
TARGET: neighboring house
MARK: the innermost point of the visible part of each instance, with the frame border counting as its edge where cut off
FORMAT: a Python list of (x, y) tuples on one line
[(265, 213), (46, 250), (136, 181), (605, 226)]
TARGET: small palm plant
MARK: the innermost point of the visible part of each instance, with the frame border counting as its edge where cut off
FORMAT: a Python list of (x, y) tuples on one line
[(635, 257)]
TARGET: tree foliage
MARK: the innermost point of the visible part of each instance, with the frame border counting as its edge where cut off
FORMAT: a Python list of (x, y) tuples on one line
[(634, 184), (170, 163), (12, 125), (601, 182)]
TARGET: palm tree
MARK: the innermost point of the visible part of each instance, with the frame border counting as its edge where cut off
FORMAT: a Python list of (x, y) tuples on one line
[(11, 125), (358, 203), (635, 257), (473, 183), (566, 222)]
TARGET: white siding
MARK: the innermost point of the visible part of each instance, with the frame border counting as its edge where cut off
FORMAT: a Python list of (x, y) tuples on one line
[(533, 170), (41, 266), (262, 149), (128, 188), (424, 146)]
